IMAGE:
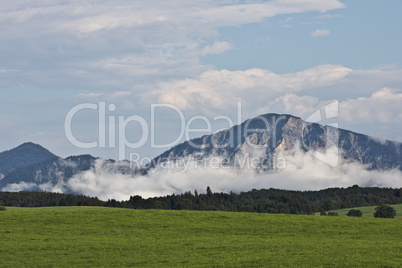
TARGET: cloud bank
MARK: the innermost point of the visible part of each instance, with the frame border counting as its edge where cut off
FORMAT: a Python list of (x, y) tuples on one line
[(97, 44), (301, 171)]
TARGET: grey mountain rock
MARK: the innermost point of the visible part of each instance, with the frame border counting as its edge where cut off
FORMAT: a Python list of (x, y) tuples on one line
[(269, 134), (262, 137)]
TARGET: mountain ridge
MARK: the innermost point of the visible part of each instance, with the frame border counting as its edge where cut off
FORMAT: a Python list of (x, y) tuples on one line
[(284, 136), (261, 136)]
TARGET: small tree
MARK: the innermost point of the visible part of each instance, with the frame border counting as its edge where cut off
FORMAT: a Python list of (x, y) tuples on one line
[(384, 211), (209, 192), (354, 213)]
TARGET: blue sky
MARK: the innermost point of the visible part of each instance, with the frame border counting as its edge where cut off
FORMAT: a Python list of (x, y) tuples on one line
[(203, 57), (362, 35)]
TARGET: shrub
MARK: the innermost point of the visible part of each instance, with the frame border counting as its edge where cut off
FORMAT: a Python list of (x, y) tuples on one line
[(330, 213), (2, 208), (384, 211), (354, 213)]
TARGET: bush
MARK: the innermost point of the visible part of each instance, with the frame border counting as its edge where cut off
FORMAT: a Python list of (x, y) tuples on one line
[(354, 213), (330, 213), (2, 208), (384, 211)]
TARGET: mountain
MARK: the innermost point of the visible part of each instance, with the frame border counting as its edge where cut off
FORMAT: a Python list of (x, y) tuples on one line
[(52, 170), (57, 170), (23, 155), (261, 138), (267, 135)]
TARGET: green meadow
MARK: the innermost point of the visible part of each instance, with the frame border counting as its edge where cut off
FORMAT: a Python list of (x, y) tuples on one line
[(368, 211), (88, 237)]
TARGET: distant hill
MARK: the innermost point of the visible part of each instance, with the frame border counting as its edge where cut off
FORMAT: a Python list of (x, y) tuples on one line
[(56, 170), (51, 170), (24, 155)]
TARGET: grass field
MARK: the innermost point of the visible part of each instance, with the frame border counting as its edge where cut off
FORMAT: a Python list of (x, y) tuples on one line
[(368, 211), (71, 236)]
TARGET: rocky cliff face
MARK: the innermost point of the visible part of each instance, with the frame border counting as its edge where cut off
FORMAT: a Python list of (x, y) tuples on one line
[(267, 135)]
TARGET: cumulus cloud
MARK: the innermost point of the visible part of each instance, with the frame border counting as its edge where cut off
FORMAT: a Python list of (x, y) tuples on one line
[(381, 109), (216, 48), (220, 89), (383, 106), (302, 106), (320, 32), (362, 94)]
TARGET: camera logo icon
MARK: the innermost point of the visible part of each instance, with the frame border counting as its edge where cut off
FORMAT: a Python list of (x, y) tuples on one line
[(327, 116)]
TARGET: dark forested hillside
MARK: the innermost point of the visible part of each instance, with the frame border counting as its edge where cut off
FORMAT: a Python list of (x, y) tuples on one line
[(23, 155), (51, 170), (261, 201)]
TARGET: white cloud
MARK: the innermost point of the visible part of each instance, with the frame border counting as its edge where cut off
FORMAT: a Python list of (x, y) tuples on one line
[(302, 106), (232, 15), (87, 17), (302, 172), (17, 187), (216, 48), (383, 106), (320, 32), (116, 45), (300, 94), (262, 91), (220, 89), (381, 109)]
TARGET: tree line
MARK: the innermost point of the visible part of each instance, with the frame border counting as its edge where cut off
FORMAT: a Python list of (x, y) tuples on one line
[(269, 200), (46, 199), (260, 201)]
